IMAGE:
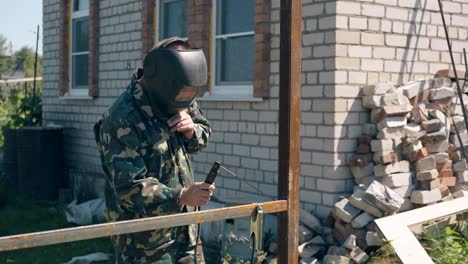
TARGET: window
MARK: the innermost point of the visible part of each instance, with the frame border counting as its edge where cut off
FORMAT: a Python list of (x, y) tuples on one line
[(173, 16), (234, 47), (79, 47)]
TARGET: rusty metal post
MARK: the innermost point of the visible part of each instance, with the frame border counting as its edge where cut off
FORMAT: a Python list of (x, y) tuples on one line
[(289, 128)]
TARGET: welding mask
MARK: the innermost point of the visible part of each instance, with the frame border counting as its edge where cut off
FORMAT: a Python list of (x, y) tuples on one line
[(173, 78)]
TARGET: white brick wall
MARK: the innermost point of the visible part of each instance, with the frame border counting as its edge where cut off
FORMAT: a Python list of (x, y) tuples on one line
[(346, 44)]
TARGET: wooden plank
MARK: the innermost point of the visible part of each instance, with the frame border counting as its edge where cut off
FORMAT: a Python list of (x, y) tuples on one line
[(396, 229), (289, 128), (108, 229)]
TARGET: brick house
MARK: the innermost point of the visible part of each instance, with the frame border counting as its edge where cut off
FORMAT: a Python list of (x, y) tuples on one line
[(91, 48)]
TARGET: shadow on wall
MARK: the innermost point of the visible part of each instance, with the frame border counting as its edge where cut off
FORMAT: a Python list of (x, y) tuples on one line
[(407, 66)]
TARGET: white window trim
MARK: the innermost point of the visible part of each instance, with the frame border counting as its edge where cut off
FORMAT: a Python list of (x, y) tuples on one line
[(82, 91), (160, 10), (225, 91)]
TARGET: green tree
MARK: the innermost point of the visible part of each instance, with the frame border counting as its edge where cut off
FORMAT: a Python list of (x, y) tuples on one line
[(24, 60), (5, 59)]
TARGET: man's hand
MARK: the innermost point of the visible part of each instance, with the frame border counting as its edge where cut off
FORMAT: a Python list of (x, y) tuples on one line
[(196, 195), (182, 122)]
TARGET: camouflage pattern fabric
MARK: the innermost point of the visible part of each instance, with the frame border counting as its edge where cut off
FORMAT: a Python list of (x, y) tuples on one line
[(146, 167)]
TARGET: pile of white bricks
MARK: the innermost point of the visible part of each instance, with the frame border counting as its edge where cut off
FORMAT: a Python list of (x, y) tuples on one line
[(408, 156)]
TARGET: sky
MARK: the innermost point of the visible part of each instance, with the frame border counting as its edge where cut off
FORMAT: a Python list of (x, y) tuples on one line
[(18, 23)]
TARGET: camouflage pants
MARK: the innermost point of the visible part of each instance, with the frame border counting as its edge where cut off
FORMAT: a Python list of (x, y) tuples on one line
[(173, 252)]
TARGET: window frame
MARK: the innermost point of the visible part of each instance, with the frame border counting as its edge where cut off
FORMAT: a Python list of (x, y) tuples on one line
[(243, 90), (160, 10), (75, 15)]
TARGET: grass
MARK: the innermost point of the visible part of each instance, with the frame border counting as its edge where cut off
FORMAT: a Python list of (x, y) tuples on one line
[(21, 214), (448, 245), (384, 255)]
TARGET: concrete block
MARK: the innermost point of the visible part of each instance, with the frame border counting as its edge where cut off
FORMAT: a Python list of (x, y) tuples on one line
[(432, 125), (460, 193), (362, 220), (412, 89), (429, 185), (453, 138), (444, 165), (462, 176), (361, 172), (412, 146), (427, 175), (350, 242), (345, 211), (441, 82), (406, 206), (373, 239), (417, 155), (366, 181), (437, 147), (413, 128), (337, 251), (397, 179), (404, 191), (387, 169), (377, 89), (440, 157), (392, 122), (422, 97), (442, 92), (385, 157), (426, 197), (358, 256), (425, 164), (445, 173), (396, 98), (435, 137), (391, 133), (357, 200), (383, 197), (448, 181), (442, 117), (420, 113), (397, 110), (372, 101), (460, 166), (381, 145), (442, 105)]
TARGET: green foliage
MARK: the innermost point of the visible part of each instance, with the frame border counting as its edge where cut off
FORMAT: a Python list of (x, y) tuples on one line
[(5, 60), (23, 214), (450, 246), (24, 60), (18, 110)]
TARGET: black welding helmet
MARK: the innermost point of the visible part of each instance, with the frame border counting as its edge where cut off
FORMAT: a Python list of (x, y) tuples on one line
[(173, 78)]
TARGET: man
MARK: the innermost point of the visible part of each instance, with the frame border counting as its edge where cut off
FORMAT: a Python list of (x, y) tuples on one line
[(144, 139)]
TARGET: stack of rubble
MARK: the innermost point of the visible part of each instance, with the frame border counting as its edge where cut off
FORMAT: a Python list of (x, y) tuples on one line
[(317, 242), (408, 156)]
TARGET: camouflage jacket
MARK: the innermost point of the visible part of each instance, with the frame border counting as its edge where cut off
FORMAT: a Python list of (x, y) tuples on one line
[(146, 167)]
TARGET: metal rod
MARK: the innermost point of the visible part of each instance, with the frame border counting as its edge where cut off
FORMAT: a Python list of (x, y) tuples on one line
[(460, 95), (289, 128), (132, 226), (33, 112), (466, 70)]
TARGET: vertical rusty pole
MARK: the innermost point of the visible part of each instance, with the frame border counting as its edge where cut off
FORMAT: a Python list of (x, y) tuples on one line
[(289, 128)]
